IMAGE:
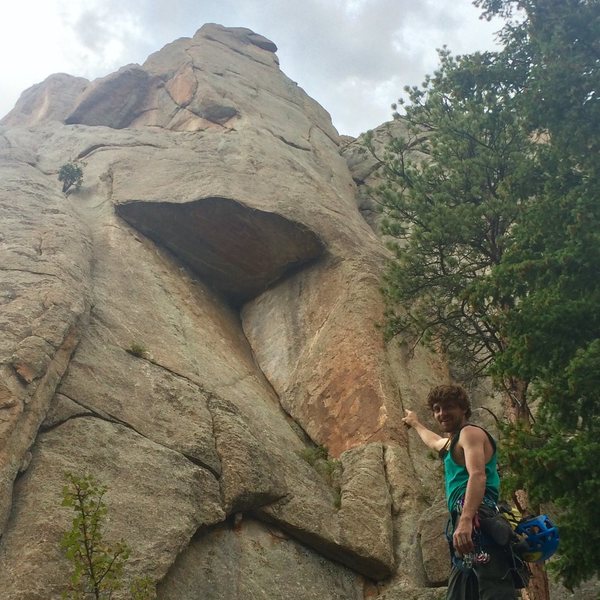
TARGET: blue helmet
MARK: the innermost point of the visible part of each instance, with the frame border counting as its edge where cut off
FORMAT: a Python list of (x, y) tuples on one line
[(539, 538)]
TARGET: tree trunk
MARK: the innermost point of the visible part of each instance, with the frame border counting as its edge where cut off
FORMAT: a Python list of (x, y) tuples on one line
[(538, 585), (517, 411)]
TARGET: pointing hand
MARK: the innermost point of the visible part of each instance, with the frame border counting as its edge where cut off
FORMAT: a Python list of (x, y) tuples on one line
[(410, 420)]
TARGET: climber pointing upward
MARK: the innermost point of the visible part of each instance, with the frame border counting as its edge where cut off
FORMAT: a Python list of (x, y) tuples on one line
[(480, 569)]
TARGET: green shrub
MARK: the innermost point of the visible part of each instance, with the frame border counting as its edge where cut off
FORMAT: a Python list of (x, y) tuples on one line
[(136, 349), (71, 175), (97, 566), (313, 454), (330, 469)]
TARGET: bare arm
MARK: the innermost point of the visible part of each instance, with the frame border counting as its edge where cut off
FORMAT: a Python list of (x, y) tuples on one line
[(429, 438), (472, 441)]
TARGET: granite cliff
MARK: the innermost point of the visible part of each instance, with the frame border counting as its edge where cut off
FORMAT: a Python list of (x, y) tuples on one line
[(220, 227)]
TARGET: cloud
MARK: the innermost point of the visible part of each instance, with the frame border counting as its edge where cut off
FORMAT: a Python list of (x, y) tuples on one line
[(350, 55), (353, 56)]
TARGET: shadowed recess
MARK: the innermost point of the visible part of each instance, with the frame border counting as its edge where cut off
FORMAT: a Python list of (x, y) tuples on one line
[(115, 100), (238, 250)]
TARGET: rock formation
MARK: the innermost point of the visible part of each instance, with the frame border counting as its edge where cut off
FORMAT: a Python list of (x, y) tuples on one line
[(217, 233)]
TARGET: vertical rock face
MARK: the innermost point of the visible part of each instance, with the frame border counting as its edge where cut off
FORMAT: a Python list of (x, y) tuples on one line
[(189, 325), (45, 258)]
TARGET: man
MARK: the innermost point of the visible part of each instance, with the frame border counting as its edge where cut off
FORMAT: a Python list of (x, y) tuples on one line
[(481, 570)]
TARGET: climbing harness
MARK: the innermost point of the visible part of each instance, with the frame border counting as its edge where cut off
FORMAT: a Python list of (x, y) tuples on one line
[(491, 529), (478, 556)]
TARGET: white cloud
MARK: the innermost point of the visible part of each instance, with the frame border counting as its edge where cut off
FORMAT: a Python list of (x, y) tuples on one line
[(353, 56)]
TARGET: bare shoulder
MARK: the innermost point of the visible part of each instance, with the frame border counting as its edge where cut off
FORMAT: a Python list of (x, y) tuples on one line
[(472, 435)]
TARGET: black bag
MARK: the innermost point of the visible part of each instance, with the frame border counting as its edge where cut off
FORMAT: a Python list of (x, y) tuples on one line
[(495, 526)]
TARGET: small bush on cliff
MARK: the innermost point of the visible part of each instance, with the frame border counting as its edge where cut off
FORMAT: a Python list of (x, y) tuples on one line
[(137, 349), (313, 454), (97, 566), (329, 469), (71, 175)]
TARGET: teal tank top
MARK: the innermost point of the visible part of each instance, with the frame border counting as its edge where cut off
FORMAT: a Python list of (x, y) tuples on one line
[(456, 476)]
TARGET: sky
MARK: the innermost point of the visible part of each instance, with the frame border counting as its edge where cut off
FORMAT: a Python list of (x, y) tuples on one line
[(353, 56)]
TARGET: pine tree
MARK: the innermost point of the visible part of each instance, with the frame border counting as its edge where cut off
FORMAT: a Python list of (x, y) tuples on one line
[(493, 203)]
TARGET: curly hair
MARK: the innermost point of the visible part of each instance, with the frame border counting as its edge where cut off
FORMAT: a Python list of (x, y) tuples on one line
[(446, 394)]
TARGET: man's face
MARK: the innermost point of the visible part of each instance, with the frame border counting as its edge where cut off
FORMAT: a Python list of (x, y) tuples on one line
[(450, 416)]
